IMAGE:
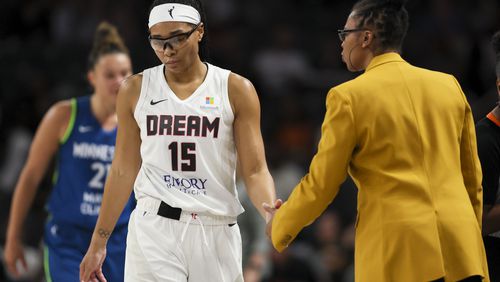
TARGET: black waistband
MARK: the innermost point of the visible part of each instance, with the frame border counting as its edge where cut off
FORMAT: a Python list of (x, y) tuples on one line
[(167, 211)]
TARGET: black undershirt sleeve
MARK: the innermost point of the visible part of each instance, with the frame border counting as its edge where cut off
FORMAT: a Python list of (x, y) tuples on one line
[(488, 143)]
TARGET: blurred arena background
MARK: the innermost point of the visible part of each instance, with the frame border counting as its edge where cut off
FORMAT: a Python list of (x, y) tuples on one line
[(288, 48)]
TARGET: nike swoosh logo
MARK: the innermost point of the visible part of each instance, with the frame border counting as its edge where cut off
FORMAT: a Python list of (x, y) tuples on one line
[(152, 103), (84, 129)]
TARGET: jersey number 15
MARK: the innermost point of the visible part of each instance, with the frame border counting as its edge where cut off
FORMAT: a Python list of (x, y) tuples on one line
[(188, 156)]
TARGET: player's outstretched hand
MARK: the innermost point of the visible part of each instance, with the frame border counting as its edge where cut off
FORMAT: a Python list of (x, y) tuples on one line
[(14, 253), (91, 266), (270, 211)]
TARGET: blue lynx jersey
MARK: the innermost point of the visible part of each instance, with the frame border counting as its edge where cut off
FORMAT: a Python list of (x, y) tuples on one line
[(84, 158)]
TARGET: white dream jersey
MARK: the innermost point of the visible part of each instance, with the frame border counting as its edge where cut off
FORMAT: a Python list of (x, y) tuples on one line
[(188, 151)]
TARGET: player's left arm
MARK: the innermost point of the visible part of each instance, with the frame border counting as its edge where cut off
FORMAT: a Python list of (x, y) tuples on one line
[(248, 138)]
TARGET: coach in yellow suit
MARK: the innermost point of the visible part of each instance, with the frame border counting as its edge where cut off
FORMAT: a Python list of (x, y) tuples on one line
[(406, 136)]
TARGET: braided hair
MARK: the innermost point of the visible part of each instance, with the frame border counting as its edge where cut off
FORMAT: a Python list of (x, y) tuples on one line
[(388, 20), (107, 40), (203, 49)]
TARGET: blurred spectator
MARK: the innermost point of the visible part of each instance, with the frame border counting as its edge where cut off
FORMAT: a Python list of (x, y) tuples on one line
[(286, 267), (335, 260), (280, 65), (328, 230)]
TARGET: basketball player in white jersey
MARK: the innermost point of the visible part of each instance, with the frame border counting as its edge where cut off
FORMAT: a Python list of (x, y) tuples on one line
[(182, 128)]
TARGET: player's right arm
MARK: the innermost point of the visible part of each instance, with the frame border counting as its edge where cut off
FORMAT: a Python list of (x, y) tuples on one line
[(44, 146), (120, 180)]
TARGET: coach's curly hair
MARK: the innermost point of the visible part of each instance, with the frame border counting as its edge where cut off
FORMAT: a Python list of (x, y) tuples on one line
[(387, 19), (107, 40), (199, 7), (495, 41)]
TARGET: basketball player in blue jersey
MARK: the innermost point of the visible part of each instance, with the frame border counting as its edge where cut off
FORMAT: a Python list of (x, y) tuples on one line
[(82, 133), (182, 128)]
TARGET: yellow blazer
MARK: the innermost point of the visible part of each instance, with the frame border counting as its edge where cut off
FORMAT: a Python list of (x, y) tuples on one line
[(406, 137)]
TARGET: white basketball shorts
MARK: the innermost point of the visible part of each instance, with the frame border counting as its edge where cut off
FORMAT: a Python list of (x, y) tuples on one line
[(194, 248)]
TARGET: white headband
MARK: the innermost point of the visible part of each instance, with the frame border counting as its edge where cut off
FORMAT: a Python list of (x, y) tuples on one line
[(173, 12)]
